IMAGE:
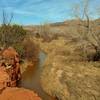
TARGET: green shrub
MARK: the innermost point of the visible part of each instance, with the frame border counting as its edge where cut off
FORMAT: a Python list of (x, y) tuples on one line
[(11, 34)]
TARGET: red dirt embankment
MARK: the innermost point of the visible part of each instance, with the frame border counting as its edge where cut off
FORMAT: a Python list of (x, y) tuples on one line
[(18, 94), (9, 75)]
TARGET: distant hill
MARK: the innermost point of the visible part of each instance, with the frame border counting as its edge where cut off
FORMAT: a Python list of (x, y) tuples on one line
[(66, 27)]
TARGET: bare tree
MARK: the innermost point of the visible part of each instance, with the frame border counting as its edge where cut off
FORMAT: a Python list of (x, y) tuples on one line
[(86, 27), (44, 31), (7, 18)]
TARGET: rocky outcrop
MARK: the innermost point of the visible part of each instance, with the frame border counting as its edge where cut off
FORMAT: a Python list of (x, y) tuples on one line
[(9, 75), (14, 93), (10, 60)]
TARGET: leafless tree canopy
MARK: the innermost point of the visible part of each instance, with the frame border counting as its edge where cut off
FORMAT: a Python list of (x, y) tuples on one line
[(82, 14)]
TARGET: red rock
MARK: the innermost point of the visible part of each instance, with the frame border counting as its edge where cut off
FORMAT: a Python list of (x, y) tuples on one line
[(4, 78), (10, 52), (9, 75), (12, 93), (11, 62)]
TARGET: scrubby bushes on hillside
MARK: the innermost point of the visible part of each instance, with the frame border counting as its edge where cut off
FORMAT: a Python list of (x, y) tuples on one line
[(16, 36), (12, 35)]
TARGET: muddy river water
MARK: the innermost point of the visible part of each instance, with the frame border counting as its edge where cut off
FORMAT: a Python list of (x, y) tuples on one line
[(31, 78)]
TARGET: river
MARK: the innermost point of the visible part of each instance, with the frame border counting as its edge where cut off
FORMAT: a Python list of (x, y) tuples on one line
[(31, 79)]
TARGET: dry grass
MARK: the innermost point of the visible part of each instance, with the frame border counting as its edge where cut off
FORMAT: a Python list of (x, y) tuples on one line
[(69, 72), (67, 75)]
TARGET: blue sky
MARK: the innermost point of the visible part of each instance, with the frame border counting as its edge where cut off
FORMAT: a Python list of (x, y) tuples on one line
[(41, 11)]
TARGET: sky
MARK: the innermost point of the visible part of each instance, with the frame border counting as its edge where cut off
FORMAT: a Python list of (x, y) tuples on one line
[(41, 11)]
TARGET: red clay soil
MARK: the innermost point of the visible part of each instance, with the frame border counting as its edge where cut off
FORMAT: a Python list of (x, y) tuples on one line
[(11, 61), (18, 94), (7, 91), (4, 78), (14, 93)]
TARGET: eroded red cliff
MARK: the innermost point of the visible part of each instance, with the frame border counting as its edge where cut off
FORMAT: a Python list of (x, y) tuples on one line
[(9, 75)]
